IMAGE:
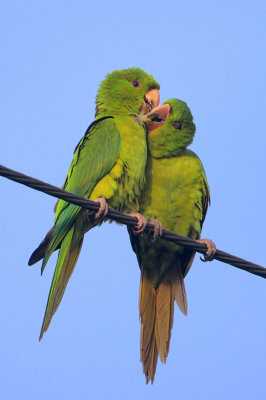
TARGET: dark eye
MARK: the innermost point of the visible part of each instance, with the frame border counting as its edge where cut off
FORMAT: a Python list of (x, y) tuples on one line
[(136, 84), (177, 125)]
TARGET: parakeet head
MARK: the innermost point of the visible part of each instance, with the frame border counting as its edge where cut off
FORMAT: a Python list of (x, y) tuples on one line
[(127, 92), (170, 128)]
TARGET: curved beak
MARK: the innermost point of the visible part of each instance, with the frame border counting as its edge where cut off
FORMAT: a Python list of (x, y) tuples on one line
[(151, 100), (157, 117)]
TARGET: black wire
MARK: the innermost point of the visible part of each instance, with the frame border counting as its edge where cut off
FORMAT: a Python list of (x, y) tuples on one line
[(129, 220)]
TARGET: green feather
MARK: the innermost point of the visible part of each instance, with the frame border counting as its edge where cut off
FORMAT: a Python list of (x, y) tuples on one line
[(64, 250)]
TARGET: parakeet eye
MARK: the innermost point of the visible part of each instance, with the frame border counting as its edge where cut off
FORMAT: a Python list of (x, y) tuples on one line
[(136, 84), (177, 125)]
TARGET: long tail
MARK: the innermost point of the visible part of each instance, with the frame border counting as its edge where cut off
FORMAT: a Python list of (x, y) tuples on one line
[(156, 309), (67, 259)]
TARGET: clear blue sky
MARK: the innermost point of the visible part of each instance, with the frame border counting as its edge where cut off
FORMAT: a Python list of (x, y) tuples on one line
[(54, 54)]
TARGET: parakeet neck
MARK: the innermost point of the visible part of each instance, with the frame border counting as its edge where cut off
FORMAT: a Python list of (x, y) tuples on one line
[(104, 110), (166, 142), (165, 151), (114, 105)]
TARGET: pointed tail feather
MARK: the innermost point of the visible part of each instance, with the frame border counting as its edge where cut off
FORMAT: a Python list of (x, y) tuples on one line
[(39, 253), (67, 259), (179, 289), (147, 313), (156, 309), (164, 317), (64, 221)]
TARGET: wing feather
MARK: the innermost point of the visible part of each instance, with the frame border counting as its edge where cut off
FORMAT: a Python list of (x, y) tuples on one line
[(94, 157)]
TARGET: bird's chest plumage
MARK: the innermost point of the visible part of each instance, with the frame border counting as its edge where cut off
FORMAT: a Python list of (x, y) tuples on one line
[(122, 185), (172, 189)]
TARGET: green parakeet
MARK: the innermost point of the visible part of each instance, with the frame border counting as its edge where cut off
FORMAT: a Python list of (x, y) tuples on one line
[(177, 194), (109, 163)]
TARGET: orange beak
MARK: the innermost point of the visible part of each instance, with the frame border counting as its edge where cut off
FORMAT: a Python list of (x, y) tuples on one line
[(151, 100), (157, 117)]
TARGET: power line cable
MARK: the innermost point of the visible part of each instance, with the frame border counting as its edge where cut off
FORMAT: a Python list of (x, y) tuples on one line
[(129, 220)]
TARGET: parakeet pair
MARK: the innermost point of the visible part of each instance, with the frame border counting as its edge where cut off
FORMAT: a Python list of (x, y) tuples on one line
[(177, 194), (109, 164)]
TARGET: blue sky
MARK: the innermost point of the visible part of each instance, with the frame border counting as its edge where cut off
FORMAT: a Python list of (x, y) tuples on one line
[(54, 55)]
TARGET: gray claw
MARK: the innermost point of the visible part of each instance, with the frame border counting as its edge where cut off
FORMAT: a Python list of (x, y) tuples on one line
[(211, 250)]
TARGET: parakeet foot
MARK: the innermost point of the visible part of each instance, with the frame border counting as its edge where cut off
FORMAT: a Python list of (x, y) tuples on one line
[(141, 225), (103, 209), (211, 249), (158, 229)]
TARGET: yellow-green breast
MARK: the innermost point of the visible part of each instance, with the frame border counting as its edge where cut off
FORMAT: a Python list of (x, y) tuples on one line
[(174, 191), (121, 187)]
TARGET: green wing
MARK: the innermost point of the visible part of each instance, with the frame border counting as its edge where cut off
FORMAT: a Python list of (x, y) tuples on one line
[(203, 203), (94, 157)]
